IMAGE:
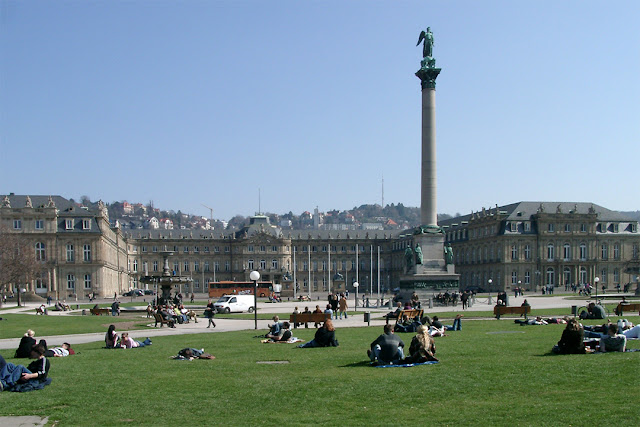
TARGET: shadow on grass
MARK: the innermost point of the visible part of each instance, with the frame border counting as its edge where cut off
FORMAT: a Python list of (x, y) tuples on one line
[(361, 364)]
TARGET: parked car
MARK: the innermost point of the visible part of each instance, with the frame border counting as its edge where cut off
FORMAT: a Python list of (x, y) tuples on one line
[(149, 292), (133, 293)]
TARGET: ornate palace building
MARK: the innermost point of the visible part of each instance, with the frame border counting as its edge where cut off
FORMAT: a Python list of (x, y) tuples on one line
[(525, 244)]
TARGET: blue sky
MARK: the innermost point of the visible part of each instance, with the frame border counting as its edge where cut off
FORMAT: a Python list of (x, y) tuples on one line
[(311, 103)]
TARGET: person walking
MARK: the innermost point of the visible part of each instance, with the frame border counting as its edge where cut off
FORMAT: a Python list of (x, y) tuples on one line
[(343, 307)]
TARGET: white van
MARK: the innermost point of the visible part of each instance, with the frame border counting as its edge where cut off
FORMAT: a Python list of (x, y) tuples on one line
[(234, 303)]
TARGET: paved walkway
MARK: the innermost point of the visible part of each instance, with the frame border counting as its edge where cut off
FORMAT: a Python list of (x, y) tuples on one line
[(223, 325)]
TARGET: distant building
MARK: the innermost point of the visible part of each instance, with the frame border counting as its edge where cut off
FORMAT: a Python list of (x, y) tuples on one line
[(527, 244)]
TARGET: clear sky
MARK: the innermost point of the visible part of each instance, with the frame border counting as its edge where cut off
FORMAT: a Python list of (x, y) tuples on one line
[(312, 102)]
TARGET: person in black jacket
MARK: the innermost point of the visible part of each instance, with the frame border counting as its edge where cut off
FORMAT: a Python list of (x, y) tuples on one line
[(325, 337), (26, 343), (39, 367)]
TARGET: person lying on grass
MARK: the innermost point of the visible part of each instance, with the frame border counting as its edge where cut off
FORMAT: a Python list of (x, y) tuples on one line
[(325, 337), (62, 351), (193, 353), (127, 342)]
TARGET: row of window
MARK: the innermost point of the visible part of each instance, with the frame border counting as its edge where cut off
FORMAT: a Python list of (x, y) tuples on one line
[(38, 224), (185, 249), (41, 252), (476, 279), (71, 281)]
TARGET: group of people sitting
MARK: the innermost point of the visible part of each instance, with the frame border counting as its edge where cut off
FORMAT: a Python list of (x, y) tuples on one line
[(579, 339), (388, 348), (112, 340), (174, 314), (279, 331)]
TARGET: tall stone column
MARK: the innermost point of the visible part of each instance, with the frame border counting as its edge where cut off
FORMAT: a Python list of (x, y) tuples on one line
[(428, 207), (428, 210)]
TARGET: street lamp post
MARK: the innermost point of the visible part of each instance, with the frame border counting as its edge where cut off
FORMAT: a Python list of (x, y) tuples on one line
[(596, 280), (255, 276), (355, 285), (490, 281)]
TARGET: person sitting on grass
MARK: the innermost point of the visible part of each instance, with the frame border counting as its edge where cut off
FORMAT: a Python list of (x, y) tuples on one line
[(422, 348), (26, 343), (613, 341), (274, 328), (594, 311), (127, 342), (111, 337), (325, 336), (21, 378), (284, 335), (63, 351), (387, 349), (572, 340)]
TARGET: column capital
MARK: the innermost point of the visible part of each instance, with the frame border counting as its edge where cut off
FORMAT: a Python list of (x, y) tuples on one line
[(427, 76)]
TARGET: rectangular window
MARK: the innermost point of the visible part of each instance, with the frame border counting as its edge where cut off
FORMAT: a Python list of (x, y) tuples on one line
[(135, 265), (155, 249), (155, 265), (527, 277), (249, 248), (227, 249), (176, 267), (527, 226), (514, 278), (567, 228), (216, 266), (196, 283), (227, 266), (250, 264), (144, 249), (186, 249), (196, 249), (86, 224), (87, 281), (68, 224), (70, 253), (71, 281), (17, 224), (86, 253), (186, 266), (206, 249), (550, 228), (263, 264), (583, 228), (274, 249), (514, 252), (274, 264), (206, 266), (39, 224), (527, 252), (263, 248), (196, 266)]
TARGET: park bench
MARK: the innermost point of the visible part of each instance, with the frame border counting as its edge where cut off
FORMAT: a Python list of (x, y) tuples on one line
[(100, 311), (298, 318), (158, 318), (627, 306), (499, 310), (411, 314)]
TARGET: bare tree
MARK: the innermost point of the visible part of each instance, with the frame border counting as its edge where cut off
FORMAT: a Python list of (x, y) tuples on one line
[(18, 264)]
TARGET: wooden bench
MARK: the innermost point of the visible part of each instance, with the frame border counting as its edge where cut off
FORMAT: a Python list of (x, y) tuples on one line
[(100, 311), (158, 318), (499, 310), (411, 314), (627, 306), (299, 318)]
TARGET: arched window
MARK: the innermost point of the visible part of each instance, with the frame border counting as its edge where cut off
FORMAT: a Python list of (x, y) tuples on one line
[(567, 275), (583, 253), (566, 251), (550, 276), (551, 251)]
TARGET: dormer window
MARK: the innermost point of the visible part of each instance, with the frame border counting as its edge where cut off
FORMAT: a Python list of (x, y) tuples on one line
[(68, 224), (86, 224)]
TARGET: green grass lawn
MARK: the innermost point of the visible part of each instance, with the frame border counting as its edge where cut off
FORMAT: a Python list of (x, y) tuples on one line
[(491, 373)]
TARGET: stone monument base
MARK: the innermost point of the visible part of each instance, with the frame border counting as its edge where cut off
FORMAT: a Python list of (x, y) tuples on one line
[(434, 273)]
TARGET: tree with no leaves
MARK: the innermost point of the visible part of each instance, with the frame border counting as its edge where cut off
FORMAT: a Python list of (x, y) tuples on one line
[(18, 263)]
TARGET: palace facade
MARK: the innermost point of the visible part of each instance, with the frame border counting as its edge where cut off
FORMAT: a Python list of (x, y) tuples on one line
[(527, 244)]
